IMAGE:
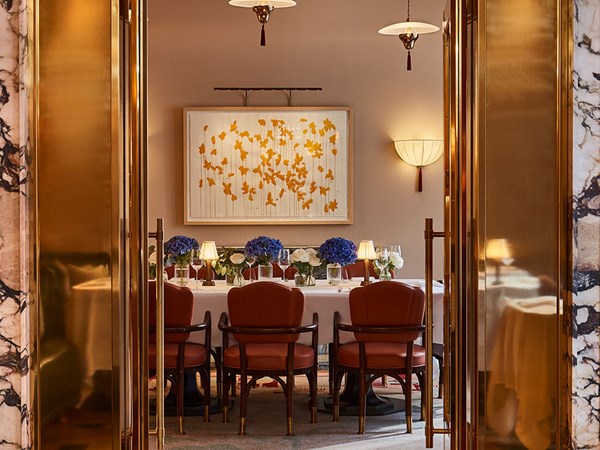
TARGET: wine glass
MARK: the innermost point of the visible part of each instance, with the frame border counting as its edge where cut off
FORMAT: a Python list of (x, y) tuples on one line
[(396, 249), (250, 260), (284, 260), (197, 263)]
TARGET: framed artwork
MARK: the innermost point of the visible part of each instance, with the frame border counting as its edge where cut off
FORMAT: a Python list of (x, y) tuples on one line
[(257, 165)]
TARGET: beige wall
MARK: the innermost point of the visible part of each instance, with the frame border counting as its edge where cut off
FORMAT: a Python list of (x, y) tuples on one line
[(195, 46)]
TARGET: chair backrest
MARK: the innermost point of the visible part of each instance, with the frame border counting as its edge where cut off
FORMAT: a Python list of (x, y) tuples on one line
[(179, 308), (387, 304), (358, 270), (265, 304)]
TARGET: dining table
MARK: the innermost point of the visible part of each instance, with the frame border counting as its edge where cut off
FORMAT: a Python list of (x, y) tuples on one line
[(323, 299)]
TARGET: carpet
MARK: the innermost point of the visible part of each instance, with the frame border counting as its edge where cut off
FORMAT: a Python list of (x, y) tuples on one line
[(266, 424)]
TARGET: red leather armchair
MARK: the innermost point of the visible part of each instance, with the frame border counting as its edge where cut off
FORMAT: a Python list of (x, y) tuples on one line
[(266, 322), (386, 317), (180, 354)]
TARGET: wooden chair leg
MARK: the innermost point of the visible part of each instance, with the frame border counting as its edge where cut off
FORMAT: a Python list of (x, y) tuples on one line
[(243, 403), (290, 404), (331, 363), (225, 399), (337, 381), (312, 383), (362, 406), (205, 378), (408, 406), (180, 394)]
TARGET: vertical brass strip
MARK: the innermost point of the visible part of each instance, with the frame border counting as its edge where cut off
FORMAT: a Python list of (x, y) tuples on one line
[(565, 233), (160, 335), (138, 219), (429, 429)]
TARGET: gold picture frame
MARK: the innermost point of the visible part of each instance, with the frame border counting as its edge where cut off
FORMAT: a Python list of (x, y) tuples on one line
[(268, 165)]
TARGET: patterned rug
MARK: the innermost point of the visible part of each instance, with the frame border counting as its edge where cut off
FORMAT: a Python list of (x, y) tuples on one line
[(266, 423)]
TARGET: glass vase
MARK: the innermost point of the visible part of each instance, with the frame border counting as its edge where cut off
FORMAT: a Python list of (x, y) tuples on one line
[(334, 274), (265, 272), (229, 279), (385, 275), (182, 275), (238, 278), (310, 278), (300, 279)]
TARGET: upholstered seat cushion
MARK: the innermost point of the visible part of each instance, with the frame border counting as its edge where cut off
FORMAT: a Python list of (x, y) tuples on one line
[(380, 355), (195, 355), (269, 356)]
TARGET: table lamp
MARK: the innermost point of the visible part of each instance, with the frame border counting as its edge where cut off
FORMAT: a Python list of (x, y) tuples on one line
[(498, 251), (366, 251), (208, 252)]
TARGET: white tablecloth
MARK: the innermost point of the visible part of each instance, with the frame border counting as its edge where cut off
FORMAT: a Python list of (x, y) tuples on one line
[(89, 311), (522, 383), (322, 299)]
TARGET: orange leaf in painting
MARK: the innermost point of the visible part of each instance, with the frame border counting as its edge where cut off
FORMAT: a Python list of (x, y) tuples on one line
[(260, 184), (324, 190), (333, 139), (243, 170), (333, 205), (320, 168), (286, 162), (222, 135), (219, 169), (233, 126), (262, 122), (213, 140), (227, 188), (213, 152), (329, 175), (230, 174), (270, 200), (211, 181), (334, 151), (243, 155), (306, 204), (313, 187), (207, 164), (234, 198), (281, 192), (200, 183), (202, 149), (244, 134), (205, 127), (224, 161)]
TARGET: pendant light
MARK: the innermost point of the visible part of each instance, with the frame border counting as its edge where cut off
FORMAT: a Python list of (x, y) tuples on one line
[(263, 10), (408, 32)]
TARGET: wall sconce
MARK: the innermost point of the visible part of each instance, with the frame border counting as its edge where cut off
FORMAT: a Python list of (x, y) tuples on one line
[(366, 251), (419, 153), (408, 32), (498, 251), (263, 10), (208, 252)]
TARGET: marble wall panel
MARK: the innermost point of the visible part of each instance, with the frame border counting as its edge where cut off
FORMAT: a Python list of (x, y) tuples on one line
[(14, 219), (586, 222)]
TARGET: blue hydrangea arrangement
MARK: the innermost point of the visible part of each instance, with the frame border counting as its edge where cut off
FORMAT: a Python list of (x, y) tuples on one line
[(179, 249), (264, 249), (338, 251)]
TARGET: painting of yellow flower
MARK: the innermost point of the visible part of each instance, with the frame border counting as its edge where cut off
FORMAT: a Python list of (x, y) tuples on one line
[(268, 165)]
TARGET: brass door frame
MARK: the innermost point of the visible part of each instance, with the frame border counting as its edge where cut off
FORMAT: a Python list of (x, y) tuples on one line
[(465, 59)]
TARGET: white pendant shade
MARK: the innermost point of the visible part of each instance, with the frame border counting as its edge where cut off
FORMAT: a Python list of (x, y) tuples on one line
[(273, 3), (408, 27)]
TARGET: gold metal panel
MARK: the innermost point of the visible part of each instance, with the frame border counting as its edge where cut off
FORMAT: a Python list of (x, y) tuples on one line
[(77, 155)]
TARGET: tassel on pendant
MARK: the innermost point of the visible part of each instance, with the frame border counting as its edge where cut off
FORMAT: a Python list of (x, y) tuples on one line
[(420, 178), (408, 62), (263, 40)]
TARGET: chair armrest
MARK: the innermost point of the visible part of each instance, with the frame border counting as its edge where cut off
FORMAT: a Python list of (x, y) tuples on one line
[(223, 321), (375, 330), (252, 330)]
